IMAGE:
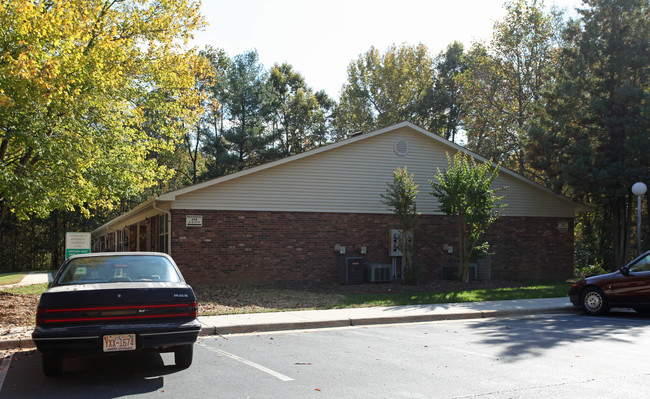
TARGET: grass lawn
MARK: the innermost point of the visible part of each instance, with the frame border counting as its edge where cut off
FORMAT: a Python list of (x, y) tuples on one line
[(27, 289), (11, 278), (16, 277), (535, 290)]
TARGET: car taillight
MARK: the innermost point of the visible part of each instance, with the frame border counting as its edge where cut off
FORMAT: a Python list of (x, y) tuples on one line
[(89, 314), (39, 316)]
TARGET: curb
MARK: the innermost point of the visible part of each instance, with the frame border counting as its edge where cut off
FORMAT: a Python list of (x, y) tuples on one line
[(18, 343), (350, 322), (27, 343)]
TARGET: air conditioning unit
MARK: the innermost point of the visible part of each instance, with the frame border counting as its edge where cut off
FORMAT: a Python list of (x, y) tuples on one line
[(350, 270), (377, 272), (450, 271)]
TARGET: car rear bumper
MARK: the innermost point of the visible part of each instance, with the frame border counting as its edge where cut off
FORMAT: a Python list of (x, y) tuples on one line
[(89, 338)]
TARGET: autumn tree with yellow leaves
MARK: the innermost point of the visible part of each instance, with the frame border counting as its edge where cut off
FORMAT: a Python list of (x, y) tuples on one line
[(78, 82)]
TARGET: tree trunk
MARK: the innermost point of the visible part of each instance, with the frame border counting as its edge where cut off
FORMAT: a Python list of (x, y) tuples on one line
[(4, 211), (621, 231), (463, 266)]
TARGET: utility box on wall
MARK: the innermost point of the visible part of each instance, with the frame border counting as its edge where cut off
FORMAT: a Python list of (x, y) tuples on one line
[(350, 270)]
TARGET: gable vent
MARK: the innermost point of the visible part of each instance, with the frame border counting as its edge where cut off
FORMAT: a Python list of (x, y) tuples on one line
[(401, 147)]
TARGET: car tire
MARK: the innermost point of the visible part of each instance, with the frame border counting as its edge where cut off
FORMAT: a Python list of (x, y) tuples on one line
[(52, 364), (594, 302), (183, 356)]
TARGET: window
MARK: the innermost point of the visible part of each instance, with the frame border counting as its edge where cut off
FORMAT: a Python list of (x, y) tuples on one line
[(163, 234), (108, 269), (643, 265)]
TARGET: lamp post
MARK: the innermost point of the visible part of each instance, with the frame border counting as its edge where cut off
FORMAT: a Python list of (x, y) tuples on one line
[(639, 189)]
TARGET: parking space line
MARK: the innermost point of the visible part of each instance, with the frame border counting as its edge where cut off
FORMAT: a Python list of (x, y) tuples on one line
[(4, 368), (275, 374)]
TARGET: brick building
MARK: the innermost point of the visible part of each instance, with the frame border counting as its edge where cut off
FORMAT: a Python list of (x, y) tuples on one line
[(297, 219)]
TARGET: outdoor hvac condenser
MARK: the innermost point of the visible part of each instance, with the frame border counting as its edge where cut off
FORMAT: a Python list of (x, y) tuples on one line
[(351, 270), (377, 272)]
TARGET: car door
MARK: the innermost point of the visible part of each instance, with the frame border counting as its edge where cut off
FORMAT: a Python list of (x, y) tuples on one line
[(635, 287)]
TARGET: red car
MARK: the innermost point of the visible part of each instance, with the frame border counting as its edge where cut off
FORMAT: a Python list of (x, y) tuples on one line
[(628, 287), (108, 303)]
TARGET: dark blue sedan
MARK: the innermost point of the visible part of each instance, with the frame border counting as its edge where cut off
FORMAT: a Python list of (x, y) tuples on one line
[(116, 302)]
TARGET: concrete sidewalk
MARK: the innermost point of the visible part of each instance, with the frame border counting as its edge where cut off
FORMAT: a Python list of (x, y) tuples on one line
[(32, 278), (258, 322)]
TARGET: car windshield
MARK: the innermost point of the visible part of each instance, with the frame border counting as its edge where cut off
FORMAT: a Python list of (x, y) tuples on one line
[(110, 269)]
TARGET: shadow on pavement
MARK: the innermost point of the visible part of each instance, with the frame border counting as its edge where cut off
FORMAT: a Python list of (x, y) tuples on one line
[(530, 336), (88, 376)]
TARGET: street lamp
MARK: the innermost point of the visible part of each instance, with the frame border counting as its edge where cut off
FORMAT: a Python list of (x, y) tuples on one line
[(639, 189)]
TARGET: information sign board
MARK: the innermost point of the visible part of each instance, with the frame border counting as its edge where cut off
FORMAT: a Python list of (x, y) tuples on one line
[(77, 243)]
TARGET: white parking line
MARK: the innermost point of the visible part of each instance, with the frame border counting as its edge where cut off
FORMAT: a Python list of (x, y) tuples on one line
[(4, 368), (275, 374)]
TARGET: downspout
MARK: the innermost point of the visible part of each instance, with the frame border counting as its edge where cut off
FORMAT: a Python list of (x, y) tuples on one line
[(169, 226)]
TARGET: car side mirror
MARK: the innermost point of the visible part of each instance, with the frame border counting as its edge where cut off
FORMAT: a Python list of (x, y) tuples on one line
[(625, 271)]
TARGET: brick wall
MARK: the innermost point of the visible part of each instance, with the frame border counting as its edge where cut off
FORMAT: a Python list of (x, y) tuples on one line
[(239, 247)]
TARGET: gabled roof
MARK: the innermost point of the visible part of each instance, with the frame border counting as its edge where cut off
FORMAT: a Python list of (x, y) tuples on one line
[(171, 196), (150, 206)]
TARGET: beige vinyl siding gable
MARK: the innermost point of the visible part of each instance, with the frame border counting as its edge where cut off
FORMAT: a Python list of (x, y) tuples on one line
[(350, 177)]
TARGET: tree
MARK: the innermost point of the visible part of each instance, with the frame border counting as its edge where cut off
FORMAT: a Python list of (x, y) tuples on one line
[(383, 89), (75, 79), (442, 104), (502, 83), (400, 197), (592, 137), (253, 116), (246, 94), (464, 191), (210, 133), (298, 116)]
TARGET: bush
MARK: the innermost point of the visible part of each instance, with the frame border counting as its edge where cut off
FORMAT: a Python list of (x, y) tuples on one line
[(589, 270)]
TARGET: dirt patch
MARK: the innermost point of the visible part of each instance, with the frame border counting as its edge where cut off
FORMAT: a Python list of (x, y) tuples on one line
[(247, 299), (283, 297), (17, 311), (17, 318)]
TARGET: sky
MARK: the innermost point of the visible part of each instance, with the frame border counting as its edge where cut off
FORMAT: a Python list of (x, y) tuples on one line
[(321, 38)]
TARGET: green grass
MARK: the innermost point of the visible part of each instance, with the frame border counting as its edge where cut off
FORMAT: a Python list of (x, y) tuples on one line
[(546, 290), (27, 289), (11, 278), (534, 290)]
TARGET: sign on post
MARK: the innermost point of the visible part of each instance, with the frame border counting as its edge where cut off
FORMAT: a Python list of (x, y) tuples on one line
[(77, 243)]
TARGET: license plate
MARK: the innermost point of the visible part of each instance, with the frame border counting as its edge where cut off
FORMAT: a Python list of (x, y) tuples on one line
[(121, 342)]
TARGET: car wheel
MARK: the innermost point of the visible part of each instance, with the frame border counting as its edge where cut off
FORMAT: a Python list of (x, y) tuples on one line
[(183, 356), (594, 301), (52, 364)]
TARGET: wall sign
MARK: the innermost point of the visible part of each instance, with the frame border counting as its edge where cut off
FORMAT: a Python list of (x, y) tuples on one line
[(193, 220)]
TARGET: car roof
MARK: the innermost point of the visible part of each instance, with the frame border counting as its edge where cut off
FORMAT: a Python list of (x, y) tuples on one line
[(119, 254), (93, 254)]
